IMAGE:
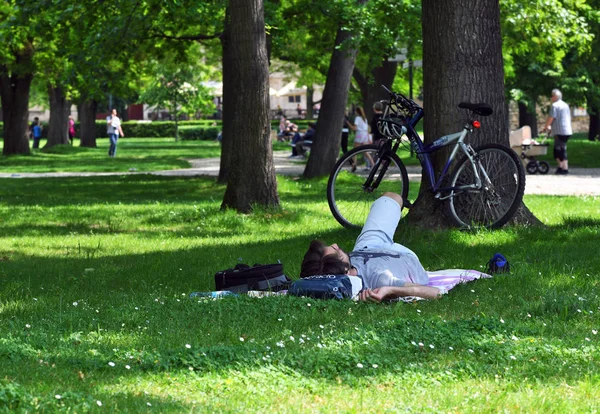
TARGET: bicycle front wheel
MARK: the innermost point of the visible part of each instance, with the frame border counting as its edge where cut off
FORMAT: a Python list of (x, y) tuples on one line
[(349, 193), (503, 183)]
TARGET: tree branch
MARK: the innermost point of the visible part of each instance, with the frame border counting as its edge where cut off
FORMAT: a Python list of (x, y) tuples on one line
[(197, 38)]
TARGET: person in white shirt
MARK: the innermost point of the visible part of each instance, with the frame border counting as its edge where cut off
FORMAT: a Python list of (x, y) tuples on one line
[(559, 125), (361, 126), (114, 130)]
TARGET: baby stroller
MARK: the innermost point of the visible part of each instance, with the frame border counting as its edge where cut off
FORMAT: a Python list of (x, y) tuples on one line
[(522, 143)]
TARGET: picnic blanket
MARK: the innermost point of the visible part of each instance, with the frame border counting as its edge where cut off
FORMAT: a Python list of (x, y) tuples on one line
[(444, 280), (447, 279)]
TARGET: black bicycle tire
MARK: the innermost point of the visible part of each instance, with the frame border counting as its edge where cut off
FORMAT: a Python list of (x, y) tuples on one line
[(543, 167), (332, 200), (518, 196)]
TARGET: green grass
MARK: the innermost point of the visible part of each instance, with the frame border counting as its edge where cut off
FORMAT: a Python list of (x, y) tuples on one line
[(143, 154), (95, 275)]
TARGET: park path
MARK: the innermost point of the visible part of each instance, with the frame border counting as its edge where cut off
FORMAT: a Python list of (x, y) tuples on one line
[(580, 181)]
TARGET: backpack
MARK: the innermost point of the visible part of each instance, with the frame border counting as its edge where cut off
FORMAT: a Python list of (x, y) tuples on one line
[(322, 287), (243, 278)]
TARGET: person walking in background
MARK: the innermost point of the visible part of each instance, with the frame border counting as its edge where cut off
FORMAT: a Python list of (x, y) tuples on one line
[(361, 126), (299, 110), (558, 125), (115, 126), (71, 129), (377, 113), (36, 132)]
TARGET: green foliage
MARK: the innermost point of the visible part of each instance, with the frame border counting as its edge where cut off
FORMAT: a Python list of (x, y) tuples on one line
[(96, 274)]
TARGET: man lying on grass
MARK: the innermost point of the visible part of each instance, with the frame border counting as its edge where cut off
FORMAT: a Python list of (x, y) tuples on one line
[(388, 270)]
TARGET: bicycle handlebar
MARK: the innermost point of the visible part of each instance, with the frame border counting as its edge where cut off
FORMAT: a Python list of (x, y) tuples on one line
[(403, 101)]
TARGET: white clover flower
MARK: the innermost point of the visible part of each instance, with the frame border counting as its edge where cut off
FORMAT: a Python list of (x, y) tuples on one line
[(112, 364), (421, 344), (309, 305), (471, 351), (127, 367), (450, 348), (375, 366), (301, 341), (587, 339), (414, 343), (501, 320), (359, 365), (149, 404), (241, 339), (191, 368), (99, 403), (431, 346), (280, 344), (279, 319), (513, 357), (27, 326), (188, 346), (595, 332), (321, 326), (58, 396), (528, 315), (514, 338), (75, 303), (35, 299)]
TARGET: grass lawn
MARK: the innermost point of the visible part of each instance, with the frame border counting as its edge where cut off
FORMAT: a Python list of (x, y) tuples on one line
[(95, 275), (143, 154)]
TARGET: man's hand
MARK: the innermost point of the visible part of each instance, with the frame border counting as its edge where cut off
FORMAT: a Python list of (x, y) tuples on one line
[(375, 295)]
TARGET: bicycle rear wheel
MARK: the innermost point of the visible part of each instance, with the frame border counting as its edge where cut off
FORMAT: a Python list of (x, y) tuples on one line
[(498, 199), (348, 196)]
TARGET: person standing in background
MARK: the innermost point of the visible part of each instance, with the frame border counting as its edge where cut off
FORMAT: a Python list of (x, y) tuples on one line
[(558, 125), (71, 129), (114, 125)]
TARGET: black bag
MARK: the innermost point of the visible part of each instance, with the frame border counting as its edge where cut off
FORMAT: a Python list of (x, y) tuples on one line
[(322, 287), (243, 278)]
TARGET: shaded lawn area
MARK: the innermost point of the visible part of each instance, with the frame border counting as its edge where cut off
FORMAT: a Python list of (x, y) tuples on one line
[(95, 275), (143, 154)]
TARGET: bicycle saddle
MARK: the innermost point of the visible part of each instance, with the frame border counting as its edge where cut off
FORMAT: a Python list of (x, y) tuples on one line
[(482, 109)]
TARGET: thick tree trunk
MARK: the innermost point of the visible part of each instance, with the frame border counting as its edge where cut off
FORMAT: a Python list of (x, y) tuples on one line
[(594, 130), (87, 122), (14, 92), (309, 102), (227, 134), (246, 122), (370, 87), (326, 148), (60, 108), (462, 61), (528, 117)]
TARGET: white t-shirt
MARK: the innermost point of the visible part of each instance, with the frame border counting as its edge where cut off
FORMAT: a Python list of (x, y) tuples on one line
[(115, 122), (361, 125)]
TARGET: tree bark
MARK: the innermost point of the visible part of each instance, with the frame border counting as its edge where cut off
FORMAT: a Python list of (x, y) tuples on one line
[(326, 146), (462, 61), (246, 122), (594, 129), (528, 117), (58, 125), (370, 87), (309, 102), (14, 93), (87, 122), (227, 134)]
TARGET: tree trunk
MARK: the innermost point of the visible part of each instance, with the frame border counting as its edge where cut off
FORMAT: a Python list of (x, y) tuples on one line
[(370, 87), (462, 61), (246, 122), (228, 132), (594, 130), (528, 117), (309, 102), (60, 108), (14, 93), (326, 146), (87, 122)]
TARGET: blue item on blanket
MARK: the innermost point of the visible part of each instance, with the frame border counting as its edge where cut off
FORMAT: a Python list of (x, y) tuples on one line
[(322, 287)]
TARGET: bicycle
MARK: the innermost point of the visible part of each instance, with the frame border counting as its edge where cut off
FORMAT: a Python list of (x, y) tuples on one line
[(484, 189)]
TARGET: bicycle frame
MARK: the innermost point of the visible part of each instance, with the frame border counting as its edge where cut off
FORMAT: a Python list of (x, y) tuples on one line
[(423, 154)]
